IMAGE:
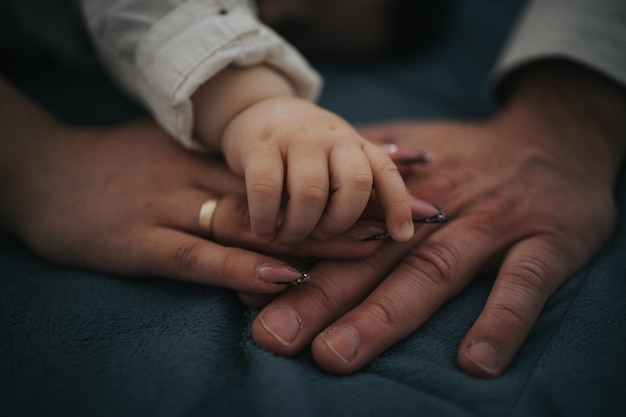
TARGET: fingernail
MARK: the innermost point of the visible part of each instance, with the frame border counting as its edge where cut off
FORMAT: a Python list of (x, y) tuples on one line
[(282, 323), (424, 212), (366, 231), (407, 231), (485, 356), (406, 155), (343, 341), (282, 274)]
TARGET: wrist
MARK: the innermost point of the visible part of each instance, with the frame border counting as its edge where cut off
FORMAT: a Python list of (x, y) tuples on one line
[(26, 139), (569, 111), (223, 97)]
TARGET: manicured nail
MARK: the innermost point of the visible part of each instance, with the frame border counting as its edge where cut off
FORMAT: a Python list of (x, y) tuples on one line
[(282, 274), (485, 356), (424, 212), (343, 341), (406, 155), (282, 323), (366, 231)]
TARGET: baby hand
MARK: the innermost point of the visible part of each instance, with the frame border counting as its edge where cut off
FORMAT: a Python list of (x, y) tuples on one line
[(308, 172)]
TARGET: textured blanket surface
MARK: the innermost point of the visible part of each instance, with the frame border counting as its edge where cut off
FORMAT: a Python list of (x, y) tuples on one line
[(78, 343)]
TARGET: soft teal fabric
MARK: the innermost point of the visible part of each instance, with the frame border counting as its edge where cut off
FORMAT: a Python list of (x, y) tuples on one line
[(77, 343)]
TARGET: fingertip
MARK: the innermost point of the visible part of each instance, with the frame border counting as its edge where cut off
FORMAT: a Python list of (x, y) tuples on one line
[(405, 233), (336, 349), (276, 330), (481, 358)]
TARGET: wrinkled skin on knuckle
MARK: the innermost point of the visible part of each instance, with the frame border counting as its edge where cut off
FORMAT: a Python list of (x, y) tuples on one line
[(311, 193), (388, 169), (436, 264), (361, 180), (187, 255), (451, 184), (229, 266), (533, 276), (264, 190), (385, 312), (324, 298), (511, 314), (497, 207)]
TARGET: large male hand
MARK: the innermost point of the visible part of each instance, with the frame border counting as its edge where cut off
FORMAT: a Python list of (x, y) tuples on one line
[(530, 197)]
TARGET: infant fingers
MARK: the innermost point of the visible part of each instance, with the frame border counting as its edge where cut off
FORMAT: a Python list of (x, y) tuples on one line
[(351, 183), (264, 171), (231, 227), (307, 188)]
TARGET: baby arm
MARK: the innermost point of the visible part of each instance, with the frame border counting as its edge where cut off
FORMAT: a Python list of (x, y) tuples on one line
[(294, 154)]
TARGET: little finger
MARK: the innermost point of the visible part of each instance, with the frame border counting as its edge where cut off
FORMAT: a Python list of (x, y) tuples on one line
[(532, 270)]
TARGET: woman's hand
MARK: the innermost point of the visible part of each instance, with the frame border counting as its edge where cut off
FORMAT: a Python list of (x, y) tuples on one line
[(530, 197), (126, 200)]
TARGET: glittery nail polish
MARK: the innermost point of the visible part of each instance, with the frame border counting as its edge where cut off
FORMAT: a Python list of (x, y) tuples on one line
[(282, 274)]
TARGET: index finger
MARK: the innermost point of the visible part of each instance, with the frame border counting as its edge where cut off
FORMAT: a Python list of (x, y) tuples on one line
[(392, 194)]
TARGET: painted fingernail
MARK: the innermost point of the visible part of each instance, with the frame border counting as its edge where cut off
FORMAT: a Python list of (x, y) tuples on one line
[(366, 231), (485, 356), (424, 212), (343, 341), (282, 274), (406, 155), (282, 323)]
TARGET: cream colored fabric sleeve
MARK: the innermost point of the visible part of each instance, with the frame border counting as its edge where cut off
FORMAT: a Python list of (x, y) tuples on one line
[(163, 50), (589, 32)]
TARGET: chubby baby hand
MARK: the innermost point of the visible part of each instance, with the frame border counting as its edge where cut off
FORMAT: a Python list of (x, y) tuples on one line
[(309, 173)]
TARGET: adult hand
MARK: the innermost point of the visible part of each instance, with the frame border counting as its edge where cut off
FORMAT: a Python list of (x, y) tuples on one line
[(530, 192), (126, 201)]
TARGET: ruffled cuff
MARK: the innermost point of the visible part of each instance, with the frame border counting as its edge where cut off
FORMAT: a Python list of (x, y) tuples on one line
[(193, 43)]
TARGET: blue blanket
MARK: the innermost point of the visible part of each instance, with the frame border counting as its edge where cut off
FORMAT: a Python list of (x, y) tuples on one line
[(78, 343)]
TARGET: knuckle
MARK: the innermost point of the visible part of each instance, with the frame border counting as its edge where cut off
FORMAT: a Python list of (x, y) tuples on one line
[(530, 277), (264, 189), (324, 296), (361, 180), (523, 289), (229, 264), (187, 255), (435, 262), (447, 183), (312, 194), (500, 207), (510, 313), (386, 312), (388, 169)]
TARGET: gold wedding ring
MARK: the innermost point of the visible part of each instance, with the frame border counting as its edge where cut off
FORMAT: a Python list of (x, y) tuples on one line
[(205, 218)]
